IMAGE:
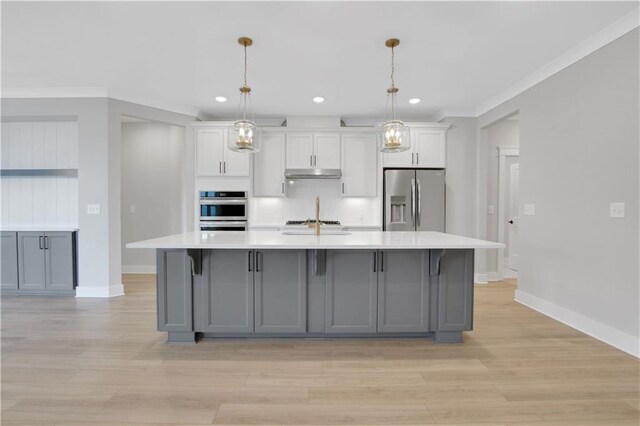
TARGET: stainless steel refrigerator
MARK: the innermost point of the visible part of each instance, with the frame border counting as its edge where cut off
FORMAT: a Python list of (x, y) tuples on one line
[(414, 200)]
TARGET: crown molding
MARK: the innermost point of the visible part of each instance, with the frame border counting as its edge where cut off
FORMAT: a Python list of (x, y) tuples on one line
[(453, 112), (610, 33), (95, 92)]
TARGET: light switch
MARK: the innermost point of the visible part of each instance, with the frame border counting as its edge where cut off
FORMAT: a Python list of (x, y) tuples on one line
[(529, 209), (93, 208), (616, 210), (132, 208), (492, 210)]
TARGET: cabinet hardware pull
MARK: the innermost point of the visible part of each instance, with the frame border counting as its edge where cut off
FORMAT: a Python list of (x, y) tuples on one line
[(417, 158), (315, 160), (220, 167), (412, 154), (40, 242), (311, 160), (375, 258), (343, 187), (283, 187), (258, 260), (224, 167), (381, 261), (249, 257), (46, 242)]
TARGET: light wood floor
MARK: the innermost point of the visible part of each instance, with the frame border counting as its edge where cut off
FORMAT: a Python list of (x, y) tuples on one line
[(94, 361)]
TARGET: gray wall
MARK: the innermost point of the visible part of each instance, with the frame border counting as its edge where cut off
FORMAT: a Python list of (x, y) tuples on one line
[(153, 155), (99, 171), (461, 176), (579, 138)]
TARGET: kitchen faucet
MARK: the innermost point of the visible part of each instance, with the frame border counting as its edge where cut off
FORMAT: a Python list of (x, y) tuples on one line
[(316, 224)]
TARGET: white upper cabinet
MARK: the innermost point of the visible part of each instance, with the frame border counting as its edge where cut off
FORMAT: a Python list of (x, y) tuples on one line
[(311, 150), (299, 150), (326, 150), (214, 158), (268, 167), (359, 165), (428, 148)]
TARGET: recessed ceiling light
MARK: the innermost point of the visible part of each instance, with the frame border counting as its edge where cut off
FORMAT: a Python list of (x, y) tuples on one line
[(318, 99), (221, 99), (414, 101)]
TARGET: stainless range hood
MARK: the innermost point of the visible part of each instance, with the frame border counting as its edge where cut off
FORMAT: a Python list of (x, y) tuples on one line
[(313, 173)]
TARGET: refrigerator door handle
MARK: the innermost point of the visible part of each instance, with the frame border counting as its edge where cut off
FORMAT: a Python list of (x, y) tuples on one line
[(418, 201), (413, 202)]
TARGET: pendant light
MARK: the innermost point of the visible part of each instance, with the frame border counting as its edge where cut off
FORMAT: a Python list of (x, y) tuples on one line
[(248, 135), (393, 135)]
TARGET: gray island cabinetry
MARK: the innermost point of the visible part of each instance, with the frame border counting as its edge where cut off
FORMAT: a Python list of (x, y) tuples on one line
[(264, 284)]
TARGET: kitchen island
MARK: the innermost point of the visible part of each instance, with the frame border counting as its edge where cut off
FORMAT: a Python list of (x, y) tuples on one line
[(266, 284)]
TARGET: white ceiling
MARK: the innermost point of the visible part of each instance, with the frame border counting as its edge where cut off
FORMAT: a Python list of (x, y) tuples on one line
[(453, 55)]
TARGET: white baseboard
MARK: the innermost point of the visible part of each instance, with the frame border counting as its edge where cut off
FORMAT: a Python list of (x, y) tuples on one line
[(138, 269), (609, 335), (481, 278), (111, 291)]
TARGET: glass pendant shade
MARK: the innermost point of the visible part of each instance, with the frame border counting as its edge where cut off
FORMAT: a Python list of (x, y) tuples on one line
[(246, 138), (394, 136)]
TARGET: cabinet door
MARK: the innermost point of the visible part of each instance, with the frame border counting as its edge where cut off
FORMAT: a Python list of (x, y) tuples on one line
[(326, 150), (403, 291), (31, 263), (59, 260), (299, 151), (400, 159), (351, 292), (175, 290), (9, 265), (359, 165), (429, 147), (280, 291), (455, 291), (228, 291), (209, 154), (234, 163), (269, 166)]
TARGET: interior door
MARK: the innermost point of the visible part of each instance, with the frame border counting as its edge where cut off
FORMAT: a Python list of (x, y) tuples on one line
[(514, 219), (399, 200), (430, 193)]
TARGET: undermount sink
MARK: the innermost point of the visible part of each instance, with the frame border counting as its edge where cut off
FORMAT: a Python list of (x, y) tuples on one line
[(312, 232)]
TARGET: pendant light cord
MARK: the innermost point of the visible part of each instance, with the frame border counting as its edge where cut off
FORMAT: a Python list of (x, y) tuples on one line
[(245, 65), (393, 68)]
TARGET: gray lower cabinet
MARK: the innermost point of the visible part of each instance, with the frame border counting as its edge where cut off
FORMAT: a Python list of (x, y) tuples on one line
[(46, 262), (280, 291), (455, 291), (403, 291), (174, 290), (228, 291), (9, 265), (351, 291)]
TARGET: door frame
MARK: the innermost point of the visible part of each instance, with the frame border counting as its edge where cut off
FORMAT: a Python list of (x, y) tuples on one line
[(503, 175)]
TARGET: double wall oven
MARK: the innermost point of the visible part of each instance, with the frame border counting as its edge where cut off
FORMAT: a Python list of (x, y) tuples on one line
[(223, 211)]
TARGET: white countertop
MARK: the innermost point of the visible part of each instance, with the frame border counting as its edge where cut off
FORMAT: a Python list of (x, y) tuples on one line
[(276, 240), (38, 228)]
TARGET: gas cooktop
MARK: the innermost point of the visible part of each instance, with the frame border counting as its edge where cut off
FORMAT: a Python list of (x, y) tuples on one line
[(308, 221)]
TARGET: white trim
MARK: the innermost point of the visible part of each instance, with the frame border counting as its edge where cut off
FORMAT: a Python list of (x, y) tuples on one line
[(453, 112), (503, 153), (609, 335), (138, 269), (95, 92), (610, 33), (480, 278), (111, 291)]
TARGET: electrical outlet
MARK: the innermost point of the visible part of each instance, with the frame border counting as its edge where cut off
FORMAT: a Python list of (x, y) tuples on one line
[(93, 208), (492, 210), (132, 208), (529, 209), (616, 210)]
